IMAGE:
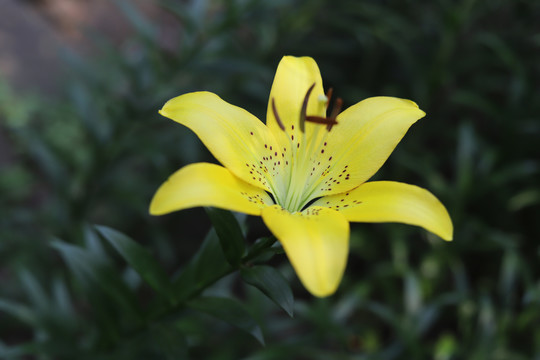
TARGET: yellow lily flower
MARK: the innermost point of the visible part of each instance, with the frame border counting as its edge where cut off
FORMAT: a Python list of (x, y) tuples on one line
[(303, 172)]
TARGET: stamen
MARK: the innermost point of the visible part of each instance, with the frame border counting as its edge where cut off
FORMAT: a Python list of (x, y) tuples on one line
[(321, 120), (276, 115), (331, 120), (304, 109), (329, 96), (335, 112)]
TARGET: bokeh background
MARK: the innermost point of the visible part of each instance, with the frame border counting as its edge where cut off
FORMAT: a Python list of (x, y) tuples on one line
[(81, 143)]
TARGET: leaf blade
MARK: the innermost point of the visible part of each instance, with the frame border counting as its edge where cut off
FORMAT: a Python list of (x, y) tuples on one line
[(140, 259), (229, 233), (230, 311), (272, 284)]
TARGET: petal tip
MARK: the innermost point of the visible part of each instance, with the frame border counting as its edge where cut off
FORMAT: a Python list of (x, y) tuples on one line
[(447, 231), (323, 293), (155, 209), (448, 237)]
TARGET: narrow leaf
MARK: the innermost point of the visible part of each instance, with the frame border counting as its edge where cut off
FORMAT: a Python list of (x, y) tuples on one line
[(207, 266), (22, 312), (230, 311), (96, 272), (272, 284), (140, 259), (262, 250), (34, 290), (229, 234)]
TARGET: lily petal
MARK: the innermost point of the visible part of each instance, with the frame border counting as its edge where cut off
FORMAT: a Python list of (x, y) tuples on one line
[(236, 138), (365, 136), (316, 242), (389, 201), (294, 76), (204, 184)]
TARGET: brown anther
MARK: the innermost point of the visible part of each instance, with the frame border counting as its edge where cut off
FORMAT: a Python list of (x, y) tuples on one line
[(321, 120), (276, 115), (303, 114), (331, 120)]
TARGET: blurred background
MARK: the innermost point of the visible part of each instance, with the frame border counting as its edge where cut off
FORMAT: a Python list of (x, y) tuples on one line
[(81, 143)]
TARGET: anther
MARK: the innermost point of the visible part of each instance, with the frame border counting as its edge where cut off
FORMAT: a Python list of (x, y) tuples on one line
[(278, 120), (303, 116), (328, 121), (321, 120)]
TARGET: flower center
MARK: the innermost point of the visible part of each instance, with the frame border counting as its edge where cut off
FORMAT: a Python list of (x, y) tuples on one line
[(307, 164)]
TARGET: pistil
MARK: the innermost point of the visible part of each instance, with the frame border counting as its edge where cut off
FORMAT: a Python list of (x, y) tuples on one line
[(304, 109), (303, 166)]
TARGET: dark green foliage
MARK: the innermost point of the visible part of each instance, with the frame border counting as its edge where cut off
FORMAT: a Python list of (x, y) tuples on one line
[(230, 311), (97, 153), (136, 256), (271, 283), (229, 234)]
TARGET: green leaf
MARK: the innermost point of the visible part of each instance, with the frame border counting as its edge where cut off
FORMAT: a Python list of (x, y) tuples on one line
[(272, 284), (229, 234), (230, 311), (140, 259), (34, 290), (263, 250), (23, 313), (169, 341), (95, 272), (207, 266)]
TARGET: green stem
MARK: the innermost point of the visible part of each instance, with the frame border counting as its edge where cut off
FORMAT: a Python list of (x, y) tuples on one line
[(256, 250)]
